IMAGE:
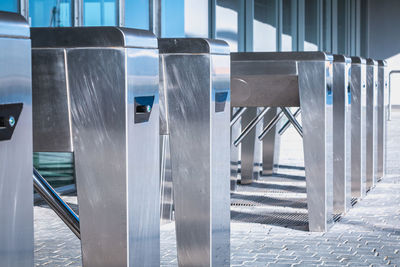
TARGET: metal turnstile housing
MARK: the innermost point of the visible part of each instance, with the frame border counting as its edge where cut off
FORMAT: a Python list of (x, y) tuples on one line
[(16, 186), (103, 81), (358, 127), (195, 75), (382, 117), (342, 134), (293, 79), (372, 129)]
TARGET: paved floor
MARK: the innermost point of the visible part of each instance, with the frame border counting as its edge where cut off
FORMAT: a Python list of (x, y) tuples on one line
[(269, 222)]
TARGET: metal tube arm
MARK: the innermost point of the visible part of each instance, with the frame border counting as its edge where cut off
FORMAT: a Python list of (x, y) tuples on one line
[(67, 215), (293, 120), (250, 126), (270, 125), (287, 124), (237, 115)]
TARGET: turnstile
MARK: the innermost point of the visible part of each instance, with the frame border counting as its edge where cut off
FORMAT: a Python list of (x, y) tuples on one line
[(271, 144), (382, 117), (292, 79), (342, 134), (195, 77), (358, 127), (371, 125), (95, 92), (16, 187)]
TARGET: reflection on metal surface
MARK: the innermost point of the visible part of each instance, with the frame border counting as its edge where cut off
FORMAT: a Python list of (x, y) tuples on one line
[(61, 208), (371, 123), (287, 124), (295, 79), (358, 127), (342, 134), (16, 190), (250, 126), (237, 115), (109, 84), (293, 120), (193, 71), (271, 124), (381, 117), (270, 141)]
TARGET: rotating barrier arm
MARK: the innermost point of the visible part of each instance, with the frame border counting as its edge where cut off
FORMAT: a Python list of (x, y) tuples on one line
[(67, 215), (287, 123), (237, 115), (293, 120), (250, 127)]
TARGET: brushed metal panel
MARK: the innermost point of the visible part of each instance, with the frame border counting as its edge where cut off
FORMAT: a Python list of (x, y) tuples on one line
[(51, 109), (235, 151), (248, 148), (117, 159), (271, 144), (16, 186), (341, 137), (371, 118), (315, 81), (381, 119), (199, 139), (358, 129)]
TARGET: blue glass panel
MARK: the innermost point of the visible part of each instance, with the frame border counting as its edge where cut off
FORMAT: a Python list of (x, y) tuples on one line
[(9, 5), (137, 14), (228, 19), (50, 13), (265, 25), (100, 12), (173, 18)]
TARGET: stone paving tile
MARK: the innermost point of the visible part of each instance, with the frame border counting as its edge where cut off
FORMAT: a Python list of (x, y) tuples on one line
[(368, 235)]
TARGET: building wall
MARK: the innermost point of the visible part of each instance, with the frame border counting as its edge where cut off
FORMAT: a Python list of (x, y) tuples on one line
[(384, 37)]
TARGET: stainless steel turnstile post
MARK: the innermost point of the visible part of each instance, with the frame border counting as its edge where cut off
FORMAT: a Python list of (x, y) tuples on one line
[(358, 127), (286, 79), (96, 94), (382, 117), (271, 144), (371, 117), (235, 150), (195, 77), (16, 186), (342, 134)]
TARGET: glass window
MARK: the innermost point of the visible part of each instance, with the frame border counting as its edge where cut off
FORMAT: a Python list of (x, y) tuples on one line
[(229, 24), (137, 14), (172, 18), (196, 18), (311, 25), (341, 27), (265, 25), (50, 13), (100, 12), (56, 168), (9, 5), (289, 26)]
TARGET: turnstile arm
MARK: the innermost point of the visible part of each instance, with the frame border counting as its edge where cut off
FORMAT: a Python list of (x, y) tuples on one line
[(67, 215), (288, 123), (250, 127), (293, 120), (270, 125), (237, 115)]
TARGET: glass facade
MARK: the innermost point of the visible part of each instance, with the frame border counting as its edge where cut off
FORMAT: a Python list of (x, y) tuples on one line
[(229, 23), (50, 13), (173, 18), (100, 12), (289, 25), (312, 27), (137, 14), (265, 25), (9, 5)]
